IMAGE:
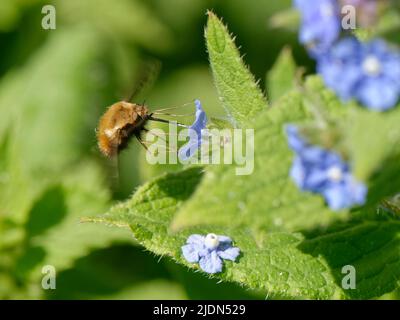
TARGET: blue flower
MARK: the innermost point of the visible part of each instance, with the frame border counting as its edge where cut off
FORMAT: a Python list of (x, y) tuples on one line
[(209, 251), (367, 72), (323, 171), (320, 24), (196, 134)]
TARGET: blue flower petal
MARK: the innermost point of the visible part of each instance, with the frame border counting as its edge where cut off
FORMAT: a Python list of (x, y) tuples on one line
[(336, 197), (342, 80), (323, 171), (378, 93), (357, 190), (346, 194), (200, 118), (312, 154), (378, 47), (298, 172), (191, 253), (211, 263), (320, 24), (333, 159), (347, 70), (316, 179), (224, 239), (209, 257), (294, 140), (195, 239), (346, 50), (391, 68), (196, 136), (229, 254), (188, 150), (224, 243)]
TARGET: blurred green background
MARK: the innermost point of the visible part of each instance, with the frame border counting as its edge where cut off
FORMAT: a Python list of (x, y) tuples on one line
[(54, 86)]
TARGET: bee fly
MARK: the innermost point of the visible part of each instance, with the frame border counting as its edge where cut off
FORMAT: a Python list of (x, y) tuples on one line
[(122, 121)]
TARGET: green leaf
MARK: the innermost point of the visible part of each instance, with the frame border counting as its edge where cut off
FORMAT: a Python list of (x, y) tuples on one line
[(292, 245), (388, 22), (368, 131), (198, 287), (54, 235), (279, 264), (149, 214), (123, 20), (157, 200), (365, 131), (238, 91), (157, 289), (281, 78), (323, 102), (288, 19), (43, 190), (118, 272), (226, 199), (373, 248), (56, 122)]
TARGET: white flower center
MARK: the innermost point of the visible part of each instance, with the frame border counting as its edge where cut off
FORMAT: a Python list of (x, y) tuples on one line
[(211, 241), (335, 174), (372, 66)]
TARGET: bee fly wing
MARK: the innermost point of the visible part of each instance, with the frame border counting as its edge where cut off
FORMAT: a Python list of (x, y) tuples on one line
[(114, 164), (146, 75)]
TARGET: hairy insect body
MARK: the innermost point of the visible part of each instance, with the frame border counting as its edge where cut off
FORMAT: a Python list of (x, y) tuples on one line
[(119, 123)]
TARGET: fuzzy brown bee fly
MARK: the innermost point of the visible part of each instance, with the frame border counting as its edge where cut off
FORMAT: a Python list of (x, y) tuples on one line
[(122, 121)]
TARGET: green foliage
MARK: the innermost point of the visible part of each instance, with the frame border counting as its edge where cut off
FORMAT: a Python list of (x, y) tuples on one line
[(125, 20), (286, 19), (292, 245), (55, 84), (236, 199), (278, 263), (281, 78), (239, 93), (44, 190), (387, 23), (379, 132), (95, 275)]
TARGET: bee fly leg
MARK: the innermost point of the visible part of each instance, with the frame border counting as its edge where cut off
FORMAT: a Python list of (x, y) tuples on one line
[(137, 136), (154, 134)]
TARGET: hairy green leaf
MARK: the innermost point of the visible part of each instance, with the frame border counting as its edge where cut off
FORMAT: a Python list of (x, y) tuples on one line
[(281, 78), (236, 200), (238, 91), (279, 264), (380, 132)]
